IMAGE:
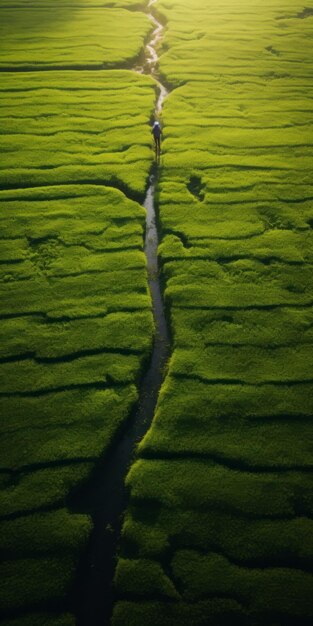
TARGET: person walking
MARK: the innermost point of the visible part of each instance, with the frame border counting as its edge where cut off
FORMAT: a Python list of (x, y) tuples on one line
[(157, 132)]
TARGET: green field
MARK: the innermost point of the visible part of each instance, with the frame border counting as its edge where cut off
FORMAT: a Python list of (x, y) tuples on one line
[(219, 526), (76, 153), (76, 34), (218, 530)]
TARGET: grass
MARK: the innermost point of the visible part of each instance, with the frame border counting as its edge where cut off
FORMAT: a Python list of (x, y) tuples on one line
[(36, 489), (65, 131), (286, 590), (37, 580), (36, 431), (81, 36), (57, 532), (40, 556), (254, 494), (144, 577), (219, 494), (250, 421), (77, 152), (246, 541)]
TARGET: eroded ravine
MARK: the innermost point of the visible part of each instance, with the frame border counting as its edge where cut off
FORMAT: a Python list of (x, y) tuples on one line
[(105, 497)]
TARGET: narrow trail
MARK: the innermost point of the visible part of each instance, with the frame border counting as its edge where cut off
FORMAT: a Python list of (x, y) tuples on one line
[(105, 498)]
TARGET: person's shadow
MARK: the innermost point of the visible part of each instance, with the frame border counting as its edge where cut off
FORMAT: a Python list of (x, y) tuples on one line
[(157, 154)]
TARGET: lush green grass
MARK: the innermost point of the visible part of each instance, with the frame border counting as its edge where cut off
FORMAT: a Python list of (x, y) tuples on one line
[(220, 496), (48, 546), (57, 532), (156, 533), (47, 35), (76, 151), (76, 300), (76, 128), (37, 431), (233, 424), (34, 488)]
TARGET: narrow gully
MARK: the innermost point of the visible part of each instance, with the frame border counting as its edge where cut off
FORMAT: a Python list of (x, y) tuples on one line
[(105, 498)]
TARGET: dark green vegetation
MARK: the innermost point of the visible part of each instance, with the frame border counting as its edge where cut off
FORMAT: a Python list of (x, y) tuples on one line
[(76, 321), (219, 527)]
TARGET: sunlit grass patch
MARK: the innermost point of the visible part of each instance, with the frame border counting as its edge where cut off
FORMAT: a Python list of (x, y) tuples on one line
[(64, 36), (236, 284), (243, 364), (61, 130), (271, 328), (118, 331), (216, 479), (273, 245), (73, 273)]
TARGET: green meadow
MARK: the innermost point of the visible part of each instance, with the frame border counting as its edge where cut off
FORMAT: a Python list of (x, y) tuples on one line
[(218, 529), (77, 34), (75, 127), (76, 153), (219, 525)]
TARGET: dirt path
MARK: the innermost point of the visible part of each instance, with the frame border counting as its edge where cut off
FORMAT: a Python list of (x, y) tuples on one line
[(105, 498)]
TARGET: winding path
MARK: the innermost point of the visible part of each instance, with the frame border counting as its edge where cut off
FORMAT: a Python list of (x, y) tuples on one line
[(105, 497)]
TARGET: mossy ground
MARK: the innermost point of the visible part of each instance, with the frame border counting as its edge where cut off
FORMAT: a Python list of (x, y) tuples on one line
[(219, 526)]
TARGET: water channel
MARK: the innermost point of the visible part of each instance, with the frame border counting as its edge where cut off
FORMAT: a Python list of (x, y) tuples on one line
[(105, 497)]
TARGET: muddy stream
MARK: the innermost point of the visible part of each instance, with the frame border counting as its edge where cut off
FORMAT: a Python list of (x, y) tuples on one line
[(105, 498)]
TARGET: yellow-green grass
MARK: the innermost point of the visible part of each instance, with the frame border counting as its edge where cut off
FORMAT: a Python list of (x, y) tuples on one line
[(218, 530), (127, 4), (76, 148), (74, 282), (77, 35), (227, 39), (90, 127)]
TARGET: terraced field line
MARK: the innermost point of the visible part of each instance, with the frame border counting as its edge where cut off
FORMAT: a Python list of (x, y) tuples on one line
[(105, 497)]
